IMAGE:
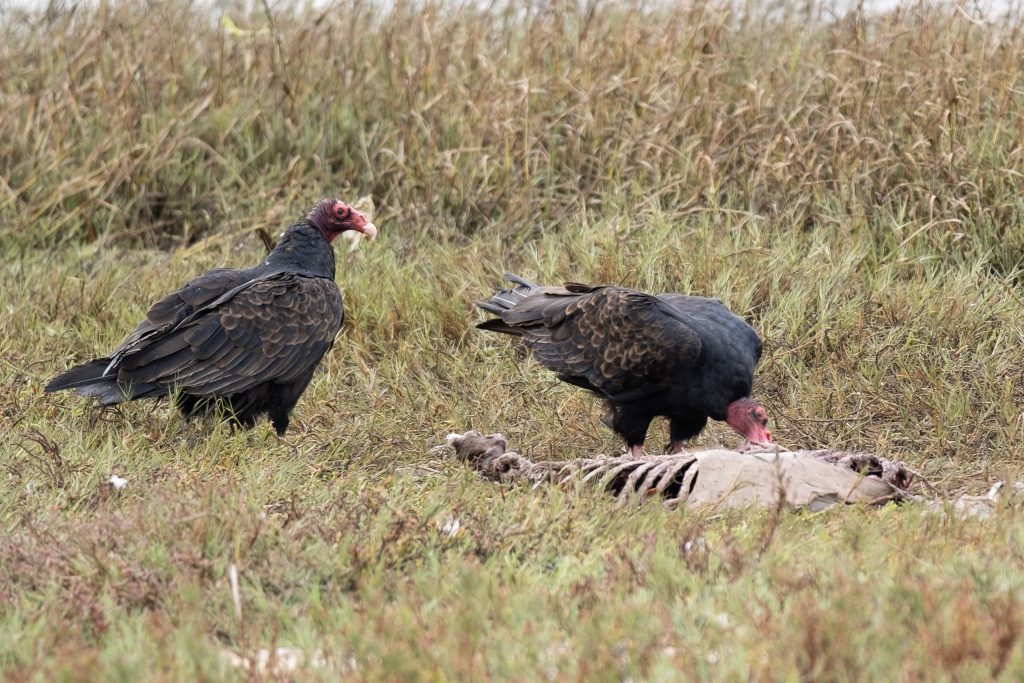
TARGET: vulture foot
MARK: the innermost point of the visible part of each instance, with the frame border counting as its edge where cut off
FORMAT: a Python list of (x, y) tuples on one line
[(677, 447)]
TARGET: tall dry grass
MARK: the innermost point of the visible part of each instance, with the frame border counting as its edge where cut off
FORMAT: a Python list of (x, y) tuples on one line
[(156, 120)]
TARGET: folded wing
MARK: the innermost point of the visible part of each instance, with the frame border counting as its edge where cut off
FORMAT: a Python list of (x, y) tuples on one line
[(271, 329), (613, 340)]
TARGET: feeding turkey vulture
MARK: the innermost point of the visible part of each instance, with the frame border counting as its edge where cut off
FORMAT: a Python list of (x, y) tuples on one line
[(686, 358), (249, 339)]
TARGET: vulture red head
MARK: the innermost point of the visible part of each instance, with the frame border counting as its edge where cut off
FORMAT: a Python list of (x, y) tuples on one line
[(750, 419), (333, 217)]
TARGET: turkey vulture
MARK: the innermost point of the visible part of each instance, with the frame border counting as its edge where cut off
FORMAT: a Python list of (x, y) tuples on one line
[(249, 339), (687, 358)]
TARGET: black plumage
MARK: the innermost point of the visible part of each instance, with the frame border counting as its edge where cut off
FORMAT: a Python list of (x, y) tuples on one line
[(687, 358), (247, 339)]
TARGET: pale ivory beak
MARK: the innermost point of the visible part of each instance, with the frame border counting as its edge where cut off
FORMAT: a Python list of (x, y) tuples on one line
[(355, 236)]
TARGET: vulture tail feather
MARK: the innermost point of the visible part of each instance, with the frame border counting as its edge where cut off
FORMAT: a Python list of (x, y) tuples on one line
[(506, 299), (499, 325), (88, 379), (80, 376)]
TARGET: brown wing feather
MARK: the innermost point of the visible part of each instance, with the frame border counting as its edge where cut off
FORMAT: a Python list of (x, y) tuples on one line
[(611, 339), (272, 329), (174, 308)]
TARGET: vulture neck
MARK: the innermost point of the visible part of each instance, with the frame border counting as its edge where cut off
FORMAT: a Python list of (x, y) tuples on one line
[(302, 249)]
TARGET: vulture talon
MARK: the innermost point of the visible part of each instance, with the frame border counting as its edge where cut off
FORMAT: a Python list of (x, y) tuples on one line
[(677, 448)]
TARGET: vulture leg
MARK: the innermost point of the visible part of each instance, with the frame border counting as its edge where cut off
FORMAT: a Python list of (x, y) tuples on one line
[(631, 425), (280, 423), (681, 429), (287, 396), (190, 406)]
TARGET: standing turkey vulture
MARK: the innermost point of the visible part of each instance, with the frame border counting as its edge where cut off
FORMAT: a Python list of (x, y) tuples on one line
[(687, 358), (247, 338)]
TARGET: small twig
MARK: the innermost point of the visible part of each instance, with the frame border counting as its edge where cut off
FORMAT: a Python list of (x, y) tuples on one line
[(268, 241), (934, 491), (236, 595)]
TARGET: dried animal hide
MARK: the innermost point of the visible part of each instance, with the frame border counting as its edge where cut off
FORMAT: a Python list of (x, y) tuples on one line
[(717, 477)]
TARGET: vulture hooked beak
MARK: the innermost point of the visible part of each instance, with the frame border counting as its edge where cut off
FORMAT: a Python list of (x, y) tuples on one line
[(355, 235)]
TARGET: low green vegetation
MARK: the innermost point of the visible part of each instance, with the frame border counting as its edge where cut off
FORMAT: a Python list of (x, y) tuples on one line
[(851, 184)]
